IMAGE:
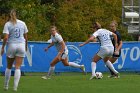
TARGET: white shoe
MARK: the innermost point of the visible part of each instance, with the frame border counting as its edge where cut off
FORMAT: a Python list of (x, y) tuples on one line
[(83, 68), (5, 88), (15, 88), (111, 76), (117, 75), (45, 77), (92, 77)]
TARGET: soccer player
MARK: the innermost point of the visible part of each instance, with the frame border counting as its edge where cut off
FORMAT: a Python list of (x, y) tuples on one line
[(62, 55), (113, 28), (106, 48), (15, 36)]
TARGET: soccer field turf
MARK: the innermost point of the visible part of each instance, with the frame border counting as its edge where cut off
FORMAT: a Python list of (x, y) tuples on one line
[(75, 83)]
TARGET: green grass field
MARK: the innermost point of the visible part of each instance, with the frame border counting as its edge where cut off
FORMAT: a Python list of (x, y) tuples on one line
[(76, 83)]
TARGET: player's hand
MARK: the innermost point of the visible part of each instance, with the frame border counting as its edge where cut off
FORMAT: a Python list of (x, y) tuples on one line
[(46, 49), (81, 45), (116, 52)]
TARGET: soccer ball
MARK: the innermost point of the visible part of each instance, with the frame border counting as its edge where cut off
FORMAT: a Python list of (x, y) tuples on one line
[(99, 75)]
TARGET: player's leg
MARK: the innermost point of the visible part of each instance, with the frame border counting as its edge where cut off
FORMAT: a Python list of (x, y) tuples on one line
[(72, 64), (100, 54), (112, 60), (96, 58), (10, 62), (51, 68), (110, 65), (18, 63), (19, 56)]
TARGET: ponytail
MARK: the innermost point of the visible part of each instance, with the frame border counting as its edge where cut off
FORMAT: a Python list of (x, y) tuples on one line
[(13, 17), (96, 25)]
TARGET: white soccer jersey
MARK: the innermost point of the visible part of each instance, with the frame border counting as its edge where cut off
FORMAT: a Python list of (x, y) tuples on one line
[(104, 37), (57, 39), (16, 32)]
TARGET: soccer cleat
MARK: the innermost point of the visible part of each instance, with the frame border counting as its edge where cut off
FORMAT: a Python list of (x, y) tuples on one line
[(15, 89), (45, 77), (83, 68), (5, 88), (111, 76), (117, 75), (92, 77)]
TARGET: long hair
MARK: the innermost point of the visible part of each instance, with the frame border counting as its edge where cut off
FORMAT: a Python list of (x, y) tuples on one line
[(13, 16), (96, 25)]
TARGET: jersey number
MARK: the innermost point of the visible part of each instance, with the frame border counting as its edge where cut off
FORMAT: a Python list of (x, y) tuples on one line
[(17, 33), (105, 37)]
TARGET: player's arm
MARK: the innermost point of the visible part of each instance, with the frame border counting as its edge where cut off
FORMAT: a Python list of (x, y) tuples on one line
[(120, 41), (115, 38), (51, 44), (4, 43), (87, 41), (120, 45), (26, 40), (25, 36), (94, 40)]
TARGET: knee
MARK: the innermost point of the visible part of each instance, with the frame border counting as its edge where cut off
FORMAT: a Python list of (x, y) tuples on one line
[(51, 64), (66, 64), (94, 60), (17, 67), (9, 67)]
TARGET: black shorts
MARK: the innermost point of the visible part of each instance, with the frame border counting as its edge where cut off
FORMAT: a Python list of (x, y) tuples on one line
[(117, 56)]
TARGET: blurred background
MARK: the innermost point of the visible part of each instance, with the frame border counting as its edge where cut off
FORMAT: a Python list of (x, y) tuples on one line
[(72, 17)]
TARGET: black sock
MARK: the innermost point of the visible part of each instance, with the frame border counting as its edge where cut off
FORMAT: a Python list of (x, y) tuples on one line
[(111, 72)]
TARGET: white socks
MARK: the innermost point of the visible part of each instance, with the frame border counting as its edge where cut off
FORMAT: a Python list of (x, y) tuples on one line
[(51, 70), (72, 64), (16, 78), (110, 65), (93, 68), (7, 77)]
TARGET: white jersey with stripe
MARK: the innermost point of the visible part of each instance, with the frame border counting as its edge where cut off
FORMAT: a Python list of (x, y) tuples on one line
[(104, 37), (57, 39), (15, 31)]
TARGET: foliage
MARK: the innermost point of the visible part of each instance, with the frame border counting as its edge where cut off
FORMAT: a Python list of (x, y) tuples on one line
[(72, 17)]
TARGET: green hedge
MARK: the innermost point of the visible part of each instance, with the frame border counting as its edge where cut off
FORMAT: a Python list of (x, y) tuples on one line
[(72, 17)]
